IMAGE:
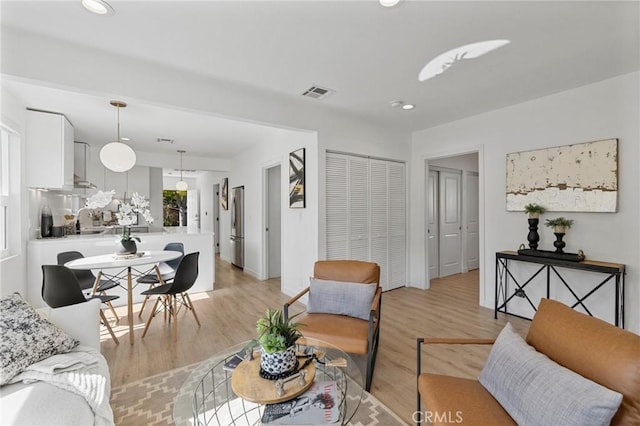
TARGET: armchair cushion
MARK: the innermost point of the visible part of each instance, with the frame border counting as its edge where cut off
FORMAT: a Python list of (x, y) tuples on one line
[(342, 298), (535, 390)]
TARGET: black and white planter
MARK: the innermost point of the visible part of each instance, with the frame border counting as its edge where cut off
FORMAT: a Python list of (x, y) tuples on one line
[(278, 362)]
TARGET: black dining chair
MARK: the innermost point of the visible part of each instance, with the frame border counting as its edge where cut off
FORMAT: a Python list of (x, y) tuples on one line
[(174, 296), (86, 279), (60, 287), (167, 271)]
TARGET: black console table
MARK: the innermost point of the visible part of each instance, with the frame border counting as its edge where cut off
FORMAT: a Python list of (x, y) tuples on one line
[(612, 271)]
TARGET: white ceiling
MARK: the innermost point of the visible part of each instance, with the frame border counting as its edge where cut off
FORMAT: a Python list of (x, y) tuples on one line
[(370, 55)]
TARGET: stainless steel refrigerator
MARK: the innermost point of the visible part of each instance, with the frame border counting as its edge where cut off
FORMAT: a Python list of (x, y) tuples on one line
[(237, 226)]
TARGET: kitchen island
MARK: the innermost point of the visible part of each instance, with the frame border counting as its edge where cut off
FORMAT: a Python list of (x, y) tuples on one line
[(44, 252)]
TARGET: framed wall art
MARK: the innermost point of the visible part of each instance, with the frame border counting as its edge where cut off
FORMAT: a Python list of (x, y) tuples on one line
[(571, 178), (224, 194), (296, 179)]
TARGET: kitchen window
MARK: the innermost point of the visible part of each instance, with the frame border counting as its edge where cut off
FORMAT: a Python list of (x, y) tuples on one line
[(9, 194)]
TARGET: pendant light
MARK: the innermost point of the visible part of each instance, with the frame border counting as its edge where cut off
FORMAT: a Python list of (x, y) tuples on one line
[(181, 185), (118, 156)]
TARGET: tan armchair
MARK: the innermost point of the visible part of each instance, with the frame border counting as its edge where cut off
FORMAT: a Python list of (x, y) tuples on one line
[(352, 335), (585, 345)]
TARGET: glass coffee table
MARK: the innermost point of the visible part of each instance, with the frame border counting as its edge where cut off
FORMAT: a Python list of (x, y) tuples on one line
[(207, 398)]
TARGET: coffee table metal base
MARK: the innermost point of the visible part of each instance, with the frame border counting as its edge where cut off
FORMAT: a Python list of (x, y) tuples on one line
[(206, 397)]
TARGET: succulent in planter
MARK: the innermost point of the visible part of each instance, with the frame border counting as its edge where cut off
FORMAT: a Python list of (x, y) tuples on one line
[(559, 224), (275, 333), (277, 337), (534, 210)]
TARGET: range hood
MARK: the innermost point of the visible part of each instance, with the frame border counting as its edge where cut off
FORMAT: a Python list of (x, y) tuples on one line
[(80, 166)]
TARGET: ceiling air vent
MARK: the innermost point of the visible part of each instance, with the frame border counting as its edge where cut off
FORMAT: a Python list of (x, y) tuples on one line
[(165, 140), (317, 92)]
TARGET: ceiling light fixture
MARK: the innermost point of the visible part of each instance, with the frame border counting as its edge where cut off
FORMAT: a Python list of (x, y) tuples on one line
[(442, 62), (99, 7), (388, 3), (402, 105), (118, 156), (181, 185)]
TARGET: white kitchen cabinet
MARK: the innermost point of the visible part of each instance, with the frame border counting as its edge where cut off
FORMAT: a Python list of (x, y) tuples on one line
[(49, 162)]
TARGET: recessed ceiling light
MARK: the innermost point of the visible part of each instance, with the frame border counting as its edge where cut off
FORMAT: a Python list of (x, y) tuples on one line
[(402, 105), (99, 7), (442, 62), (124, 138), (388, 3)]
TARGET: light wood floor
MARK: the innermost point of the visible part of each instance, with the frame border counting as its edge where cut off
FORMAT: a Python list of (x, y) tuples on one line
[(228, 314)]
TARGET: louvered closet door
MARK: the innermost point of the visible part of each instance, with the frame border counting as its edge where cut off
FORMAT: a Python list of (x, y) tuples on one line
[(358, 197), (380, 218), (397, 227), (337, 191), (366, 214)]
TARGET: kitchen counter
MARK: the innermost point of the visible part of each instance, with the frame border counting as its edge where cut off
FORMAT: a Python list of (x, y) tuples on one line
[(44, 252), (108, 234)]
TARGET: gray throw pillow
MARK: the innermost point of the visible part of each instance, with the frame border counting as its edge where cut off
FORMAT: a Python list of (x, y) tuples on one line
[(26, 337), (534, 390), (342, 298)]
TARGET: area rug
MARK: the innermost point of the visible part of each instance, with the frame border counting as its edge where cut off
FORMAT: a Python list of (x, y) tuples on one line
[(151, 401)]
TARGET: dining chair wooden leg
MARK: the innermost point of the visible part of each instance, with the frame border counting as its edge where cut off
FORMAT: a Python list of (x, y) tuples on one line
[(174, 312), (106, 324), (144, 303), (190, 306), (153, 314), (113, 311)]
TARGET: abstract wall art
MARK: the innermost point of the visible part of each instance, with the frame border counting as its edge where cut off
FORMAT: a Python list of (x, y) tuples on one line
[(296, 179), (224, 196), (572, 178)]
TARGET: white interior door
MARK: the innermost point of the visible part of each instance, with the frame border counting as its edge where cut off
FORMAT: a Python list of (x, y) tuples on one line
[(450, 223), (472, 218), (432, 224), (216, 217), (274, 207), (193, 209)]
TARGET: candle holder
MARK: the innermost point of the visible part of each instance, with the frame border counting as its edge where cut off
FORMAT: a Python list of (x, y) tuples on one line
[(558, 243), (533, 237)]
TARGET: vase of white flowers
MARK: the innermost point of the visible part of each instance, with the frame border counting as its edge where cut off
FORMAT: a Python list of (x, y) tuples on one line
[(127, 216)]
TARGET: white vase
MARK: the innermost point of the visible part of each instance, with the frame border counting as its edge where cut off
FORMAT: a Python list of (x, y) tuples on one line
[(278, 362)]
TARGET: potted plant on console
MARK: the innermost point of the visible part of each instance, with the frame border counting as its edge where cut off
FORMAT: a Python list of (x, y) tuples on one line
[(560, 226), (534, 211), (127, 215), (277, 338)]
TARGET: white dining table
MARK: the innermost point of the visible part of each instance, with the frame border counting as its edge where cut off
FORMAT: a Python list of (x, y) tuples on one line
[(125, 263)]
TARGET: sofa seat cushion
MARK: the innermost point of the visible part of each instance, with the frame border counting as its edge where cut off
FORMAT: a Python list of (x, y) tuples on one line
[(42, 404), (347, 333), (454, 400)]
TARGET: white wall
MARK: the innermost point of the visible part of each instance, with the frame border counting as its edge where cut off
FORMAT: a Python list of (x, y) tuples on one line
[(299, 226), (607, 109)]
